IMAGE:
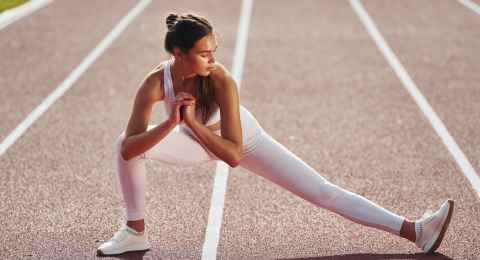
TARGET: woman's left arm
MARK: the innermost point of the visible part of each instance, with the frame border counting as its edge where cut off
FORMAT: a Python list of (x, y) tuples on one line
[(228, 146)]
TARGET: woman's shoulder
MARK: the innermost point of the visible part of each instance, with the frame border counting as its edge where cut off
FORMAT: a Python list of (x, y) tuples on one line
[(219, 71), (157, 72), (155, 76), (221, 75)]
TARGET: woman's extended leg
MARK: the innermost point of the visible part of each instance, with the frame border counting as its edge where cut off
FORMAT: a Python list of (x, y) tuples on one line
[(276, 163)]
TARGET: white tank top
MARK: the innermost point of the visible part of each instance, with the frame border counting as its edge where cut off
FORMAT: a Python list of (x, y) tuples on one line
[(169, 98)]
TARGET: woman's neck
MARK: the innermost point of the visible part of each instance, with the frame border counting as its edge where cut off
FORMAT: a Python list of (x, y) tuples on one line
[(182, 83), (180, 74)]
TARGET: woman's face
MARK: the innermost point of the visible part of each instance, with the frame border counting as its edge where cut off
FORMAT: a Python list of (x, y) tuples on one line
[(201, 58)]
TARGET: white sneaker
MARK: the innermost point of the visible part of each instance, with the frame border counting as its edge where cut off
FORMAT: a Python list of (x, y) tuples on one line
[(431, 228), (124, 240)]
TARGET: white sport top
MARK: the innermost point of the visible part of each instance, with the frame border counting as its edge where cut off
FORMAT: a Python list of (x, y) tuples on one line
[(170, 96)]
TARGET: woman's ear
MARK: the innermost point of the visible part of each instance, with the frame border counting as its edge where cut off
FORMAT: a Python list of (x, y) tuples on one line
[(177, 53)]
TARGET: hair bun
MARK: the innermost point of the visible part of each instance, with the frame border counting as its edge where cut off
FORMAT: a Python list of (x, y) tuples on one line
[(172, 18)]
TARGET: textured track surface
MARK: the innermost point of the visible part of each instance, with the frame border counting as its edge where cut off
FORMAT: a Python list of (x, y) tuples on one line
[(313, 78)]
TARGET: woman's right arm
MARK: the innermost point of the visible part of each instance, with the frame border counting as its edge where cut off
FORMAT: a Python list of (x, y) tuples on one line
[(138, 140)]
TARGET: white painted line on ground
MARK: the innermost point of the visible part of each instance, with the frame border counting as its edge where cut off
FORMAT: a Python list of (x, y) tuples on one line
[(74, 75), (473, 6), (212, 234), (10, 16), (242, 40), (427, 110)]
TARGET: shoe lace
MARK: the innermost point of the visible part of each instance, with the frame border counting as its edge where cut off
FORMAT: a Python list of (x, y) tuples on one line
[(119, 235)]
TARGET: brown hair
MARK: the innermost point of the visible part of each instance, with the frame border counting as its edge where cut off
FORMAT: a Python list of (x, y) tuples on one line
[(183, 31)]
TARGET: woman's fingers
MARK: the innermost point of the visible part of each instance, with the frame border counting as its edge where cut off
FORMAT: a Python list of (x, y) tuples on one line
[(184, 102), (186, 99), (184, 95)]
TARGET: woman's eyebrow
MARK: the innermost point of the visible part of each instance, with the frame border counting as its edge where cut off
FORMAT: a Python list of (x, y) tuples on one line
[(209, 50)]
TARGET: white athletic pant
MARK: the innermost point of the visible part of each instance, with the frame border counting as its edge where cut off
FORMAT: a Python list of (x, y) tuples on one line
[(263, 156)]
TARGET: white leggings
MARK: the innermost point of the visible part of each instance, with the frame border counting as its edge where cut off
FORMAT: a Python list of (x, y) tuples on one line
[(263, 156)]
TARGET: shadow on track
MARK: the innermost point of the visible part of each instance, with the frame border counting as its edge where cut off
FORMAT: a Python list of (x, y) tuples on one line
[(128, 256), (424, 256)]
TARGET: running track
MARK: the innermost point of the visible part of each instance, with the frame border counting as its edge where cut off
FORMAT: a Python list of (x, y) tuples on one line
[(313, 77)]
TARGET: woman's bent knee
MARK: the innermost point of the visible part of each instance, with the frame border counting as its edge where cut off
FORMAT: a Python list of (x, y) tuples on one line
[(119, 144), (119, 148)]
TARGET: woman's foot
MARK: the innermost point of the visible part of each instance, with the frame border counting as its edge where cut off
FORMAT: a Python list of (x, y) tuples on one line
[(430, 229), (124, 240)]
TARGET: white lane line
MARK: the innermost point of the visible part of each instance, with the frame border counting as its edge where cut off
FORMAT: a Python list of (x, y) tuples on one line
[(212, 233), (74, 75), (427, 110), (473, 6), (242, 40), (10, 16)]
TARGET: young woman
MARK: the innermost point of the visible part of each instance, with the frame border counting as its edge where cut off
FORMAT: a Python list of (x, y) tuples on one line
[(206, 122)]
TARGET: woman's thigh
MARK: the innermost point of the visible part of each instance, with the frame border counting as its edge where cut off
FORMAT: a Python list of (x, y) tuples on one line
[(179, 148), (275, 162)]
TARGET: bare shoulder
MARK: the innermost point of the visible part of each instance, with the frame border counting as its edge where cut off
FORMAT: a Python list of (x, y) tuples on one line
[(226, 90), (222, 77), (153, 84)]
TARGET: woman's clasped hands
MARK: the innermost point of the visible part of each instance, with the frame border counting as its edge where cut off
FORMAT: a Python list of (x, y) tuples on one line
[(183, 109)]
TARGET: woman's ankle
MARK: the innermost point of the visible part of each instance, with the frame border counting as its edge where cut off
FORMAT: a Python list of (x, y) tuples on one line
[(408, 230), (138, 225)]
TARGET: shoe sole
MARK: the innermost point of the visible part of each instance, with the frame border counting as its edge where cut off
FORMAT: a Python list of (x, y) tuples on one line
[(444, 228), (100, 253)]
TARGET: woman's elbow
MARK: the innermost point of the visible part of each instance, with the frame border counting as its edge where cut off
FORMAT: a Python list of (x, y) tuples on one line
[(236, 158), (233, 164)]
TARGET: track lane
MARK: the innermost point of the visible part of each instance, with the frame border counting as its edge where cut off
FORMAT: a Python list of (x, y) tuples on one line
[(352, 120), (58, 183), (446, 70), (39, 51), (367, 136), (443, 61)]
